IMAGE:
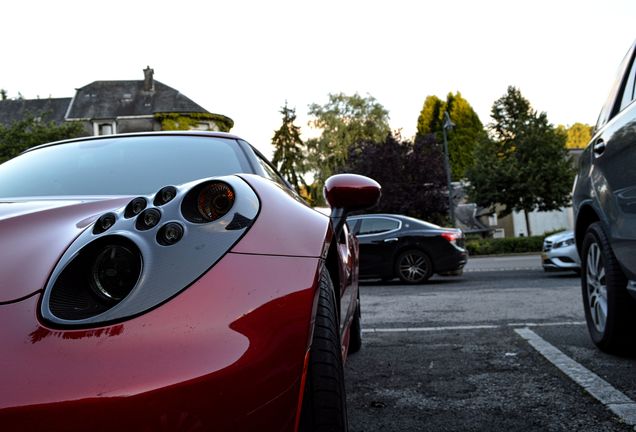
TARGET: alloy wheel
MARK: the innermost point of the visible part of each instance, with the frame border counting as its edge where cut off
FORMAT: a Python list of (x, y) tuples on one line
[(596, 287), (413, 267)]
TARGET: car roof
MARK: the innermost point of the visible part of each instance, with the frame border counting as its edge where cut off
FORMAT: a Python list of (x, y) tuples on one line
[(212, 134)]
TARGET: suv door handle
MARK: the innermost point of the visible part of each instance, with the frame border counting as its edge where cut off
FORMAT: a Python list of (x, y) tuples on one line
[(599, 147), (391, 240)]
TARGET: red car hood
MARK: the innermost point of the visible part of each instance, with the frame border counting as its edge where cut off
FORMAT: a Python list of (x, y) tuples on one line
[(34, 235)]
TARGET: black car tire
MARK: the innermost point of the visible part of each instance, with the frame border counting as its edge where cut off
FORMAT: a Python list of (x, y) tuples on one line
[(604, 284), (355, 333), (413, 266), (324, 400)]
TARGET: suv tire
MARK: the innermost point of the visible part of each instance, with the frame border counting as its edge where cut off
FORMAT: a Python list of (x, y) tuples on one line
[(610, 311)]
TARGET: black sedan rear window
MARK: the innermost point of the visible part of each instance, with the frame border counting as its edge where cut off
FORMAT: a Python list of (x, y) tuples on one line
[(378, 225), (119, 165)]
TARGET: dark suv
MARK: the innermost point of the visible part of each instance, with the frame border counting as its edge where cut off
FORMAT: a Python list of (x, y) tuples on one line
[(604, 199)]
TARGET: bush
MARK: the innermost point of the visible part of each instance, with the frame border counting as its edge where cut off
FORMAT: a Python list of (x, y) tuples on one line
[(493, 246)]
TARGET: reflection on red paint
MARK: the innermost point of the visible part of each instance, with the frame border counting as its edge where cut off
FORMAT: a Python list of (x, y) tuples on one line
[(41, 333)]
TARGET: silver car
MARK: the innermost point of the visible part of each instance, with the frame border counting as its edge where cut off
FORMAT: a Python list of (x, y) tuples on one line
[(559, 253)]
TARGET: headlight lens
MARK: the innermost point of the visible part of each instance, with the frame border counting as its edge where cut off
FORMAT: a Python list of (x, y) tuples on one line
[(104, 223), (563, 243), (165, 195), (208, 202), (148, 219), (135, 207), (169, 234), (100, 275), (114, 272), (215, 200)]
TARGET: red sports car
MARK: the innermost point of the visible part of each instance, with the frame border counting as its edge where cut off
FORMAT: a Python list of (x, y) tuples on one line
[(172, 281)]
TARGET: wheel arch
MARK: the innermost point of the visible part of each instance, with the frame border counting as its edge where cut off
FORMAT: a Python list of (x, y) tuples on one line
[(586, 217)]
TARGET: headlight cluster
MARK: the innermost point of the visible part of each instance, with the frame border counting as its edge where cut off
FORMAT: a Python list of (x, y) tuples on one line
[(100, 275), (208, 202), (563, 243), (125, 264)]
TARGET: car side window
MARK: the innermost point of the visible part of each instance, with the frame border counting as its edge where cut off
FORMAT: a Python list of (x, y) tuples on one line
[(377, 226), (354, 225), (270, 173), (610, 108), (628, 90)]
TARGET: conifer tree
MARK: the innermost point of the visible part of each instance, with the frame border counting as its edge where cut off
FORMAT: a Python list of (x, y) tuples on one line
[(467, 133), (288, 149)]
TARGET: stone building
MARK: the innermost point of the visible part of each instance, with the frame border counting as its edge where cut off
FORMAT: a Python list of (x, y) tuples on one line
[(110, 107)]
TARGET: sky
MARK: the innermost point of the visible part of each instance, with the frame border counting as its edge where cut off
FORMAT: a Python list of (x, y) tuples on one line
[(246, 58)]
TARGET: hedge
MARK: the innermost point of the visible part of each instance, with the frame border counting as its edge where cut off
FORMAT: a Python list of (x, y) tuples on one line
[(494, 246)]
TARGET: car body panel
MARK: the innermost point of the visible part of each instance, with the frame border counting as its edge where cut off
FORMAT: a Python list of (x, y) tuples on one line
[(606, 178), (194, 356), (294, 230)]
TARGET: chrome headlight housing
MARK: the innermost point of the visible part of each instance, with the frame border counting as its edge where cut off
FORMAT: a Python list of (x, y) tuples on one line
[(563, 243), (141, 255)]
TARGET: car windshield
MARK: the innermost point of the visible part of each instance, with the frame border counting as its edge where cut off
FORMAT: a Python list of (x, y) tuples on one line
[(119, 166)]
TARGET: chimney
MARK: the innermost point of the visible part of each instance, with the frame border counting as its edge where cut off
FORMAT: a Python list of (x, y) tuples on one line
[(149, 83)]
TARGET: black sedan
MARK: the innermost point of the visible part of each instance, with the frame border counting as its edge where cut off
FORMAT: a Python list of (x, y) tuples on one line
[(410, 249)]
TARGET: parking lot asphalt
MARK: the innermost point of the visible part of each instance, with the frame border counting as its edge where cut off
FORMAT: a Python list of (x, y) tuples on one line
[(469, 353)]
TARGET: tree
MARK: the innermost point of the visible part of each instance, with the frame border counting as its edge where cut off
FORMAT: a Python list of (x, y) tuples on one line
[(288, 149), (578, 135), (526, 166), (343, 121), (467, 134), (411, 174), (430, 119), (30, 131), (3, 94)]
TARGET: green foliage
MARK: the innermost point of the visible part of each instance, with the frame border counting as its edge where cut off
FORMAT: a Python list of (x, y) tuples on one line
[(29, 132), (525, 166), (463, 139), (288, 149), (493, 246), (431, 116), (397, 165), (343, 121), (180, 121), (3, 94)]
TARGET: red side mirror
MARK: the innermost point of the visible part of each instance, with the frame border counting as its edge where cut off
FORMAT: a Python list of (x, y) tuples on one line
[(351, 192)]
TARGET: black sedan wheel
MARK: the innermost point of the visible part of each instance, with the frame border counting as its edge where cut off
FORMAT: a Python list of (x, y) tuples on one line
[(413, 267), (609, 309)]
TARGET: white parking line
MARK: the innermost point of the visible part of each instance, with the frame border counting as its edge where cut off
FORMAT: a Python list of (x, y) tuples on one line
[(467, 327), (497, 269), (547, 324), (426, 329), (615, 400)]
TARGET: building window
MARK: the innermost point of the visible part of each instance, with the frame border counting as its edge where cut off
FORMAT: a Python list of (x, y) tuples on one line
[(104, 128)]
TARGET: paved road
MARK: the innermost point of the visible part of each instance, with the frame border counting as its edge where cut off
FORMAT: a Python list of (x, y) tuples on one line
[(459, 354)]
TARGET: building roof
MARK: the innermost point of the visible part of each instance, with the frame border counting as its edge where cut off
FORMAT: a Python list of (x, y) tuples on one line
[(466, 219), (51, 109), (111, 99)]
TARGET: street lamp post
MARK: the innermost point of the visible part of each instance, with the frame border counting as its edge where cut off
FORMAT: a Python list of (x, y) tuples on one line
[(448, 124)]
